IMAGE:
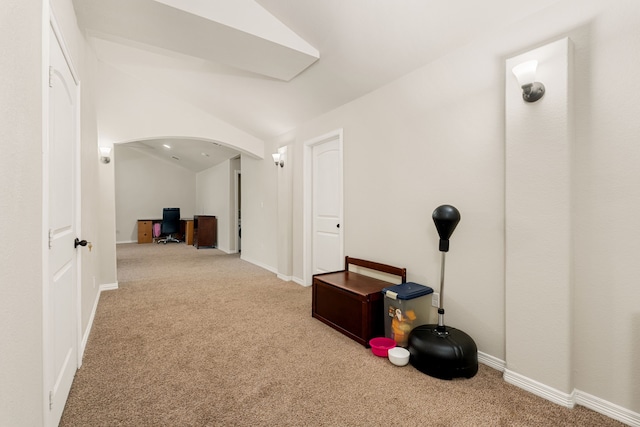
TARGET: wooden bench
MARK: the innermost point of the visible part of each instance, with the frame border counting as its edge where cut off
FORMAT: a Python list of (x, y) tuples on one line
[(351, 302)]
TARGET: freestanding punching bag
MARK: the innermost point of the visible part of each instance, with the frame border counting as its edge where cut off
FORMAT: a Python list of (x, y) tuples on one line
[(439, 350)]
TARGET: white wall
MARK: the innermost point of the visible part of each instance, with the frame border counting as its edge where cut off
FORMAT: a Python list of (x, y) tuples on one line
[(285, 212), (21, 265), (97, 216), (260, 211), (437, 136), (214, 196), (144, 186), (433, 137), (606, 202), (538, 265), (132, 110), (24, 27)]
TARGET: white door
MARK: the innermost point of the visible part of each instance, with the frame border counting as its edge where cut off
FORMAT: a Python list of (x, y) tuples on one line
[(61, 355), (327, 227)]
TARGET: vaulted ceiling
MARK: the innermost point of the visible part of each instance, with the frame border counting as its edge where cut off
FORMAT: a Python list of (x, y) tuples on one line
[(266, 66)]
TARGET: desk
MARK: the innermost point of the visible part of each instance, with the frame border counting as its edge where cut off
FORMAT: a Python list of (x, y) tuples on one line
[(186, 226), (145, 230), (201, 230)]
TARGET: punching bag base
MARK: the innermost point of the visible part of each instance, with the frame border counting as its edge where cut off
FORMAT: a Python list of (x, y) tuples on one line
[(444, 354)]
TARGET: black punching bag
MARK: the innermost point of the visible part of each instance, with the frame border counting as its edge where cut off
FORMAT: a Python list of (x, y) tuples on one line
[(446, 218), (438, 350)]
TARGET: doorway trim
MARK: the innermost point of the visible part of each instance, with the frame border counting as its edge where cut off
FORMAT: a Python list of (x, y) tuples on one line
[(237, 218), (307, 238)]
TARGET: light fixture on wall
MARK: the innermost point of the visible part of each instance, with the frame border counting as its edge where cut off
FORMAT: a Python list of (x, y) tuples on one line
[(526, 75), (278, 159), (105, 154)]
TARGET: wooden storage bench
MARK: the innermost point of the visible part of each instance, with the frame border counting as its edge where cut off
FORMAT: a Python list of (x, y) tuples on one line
[(352, 303)]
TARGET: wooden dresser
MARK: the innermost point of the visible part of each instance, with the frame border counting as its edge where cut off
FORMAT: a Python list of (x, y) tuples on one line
[(206, 231), (352, 303)]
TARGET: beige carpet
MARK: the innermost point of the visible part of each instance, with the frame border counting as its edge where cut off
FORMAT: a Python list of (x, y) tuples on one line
[(200, 338)]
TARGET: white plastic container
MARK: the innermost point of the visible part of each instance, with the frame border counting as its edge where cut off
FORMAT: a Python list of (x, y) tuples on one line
[(406, 306)]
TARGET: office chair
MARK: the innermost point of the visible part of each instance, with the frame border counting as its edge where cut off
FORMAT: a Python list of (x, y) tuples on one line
[(170, 225)]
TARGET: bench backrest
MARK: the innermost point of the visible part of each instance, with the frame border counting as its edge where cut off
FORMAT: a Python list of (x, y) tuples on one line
[(385, 268)]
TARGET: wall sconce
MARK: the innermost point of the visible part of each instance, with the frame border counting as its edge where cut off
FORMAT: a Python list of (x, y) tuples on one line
[(278, 159), (105, 154), (526, 75)]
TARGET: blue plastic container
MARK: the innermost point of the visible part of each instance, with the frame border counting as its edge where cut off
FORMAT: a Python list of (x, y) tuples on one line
[(406, 306)]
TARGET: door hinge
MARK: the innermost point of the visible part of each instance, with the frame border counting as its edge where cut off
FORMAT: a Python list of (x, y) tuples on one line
[(51, 400), (50, 76), (50, 237)]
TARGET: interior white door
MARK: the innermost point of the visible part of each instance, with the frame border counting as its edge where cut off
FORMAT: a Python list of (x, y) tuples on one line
[(61, 323), (327, 227)]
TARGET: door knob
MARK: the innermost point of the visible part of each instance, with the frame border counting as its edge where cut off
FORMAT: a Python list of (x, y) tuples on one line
[(79, 242), (338, 225)]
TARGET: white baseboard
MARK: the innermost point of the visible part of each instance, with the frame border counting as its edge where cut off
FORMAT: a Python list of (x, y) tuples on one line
[(126, 241), (491, 361), (609, 409), (87, 331), (577, 397), (109, 286), (273, 270), (532, 386), (300, 281), (259, 264)]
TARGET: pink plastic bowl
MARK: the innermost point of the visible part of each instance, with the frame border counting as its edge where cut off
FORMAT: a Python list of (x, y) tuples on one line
[(381, 345)]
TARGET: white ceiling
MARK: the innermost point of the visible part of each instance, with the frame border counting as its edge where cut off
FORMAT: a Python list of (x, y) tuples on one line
[(193, 154), (254, 64)]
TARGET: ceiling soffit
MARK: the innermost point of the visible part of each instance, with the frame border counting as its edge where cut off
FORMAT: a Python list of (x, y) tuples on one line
[(238, 33)]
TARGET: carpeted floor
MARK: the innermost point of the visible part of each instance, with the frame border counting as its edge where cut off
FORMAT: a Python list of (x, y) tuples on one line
[(199, 338)]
